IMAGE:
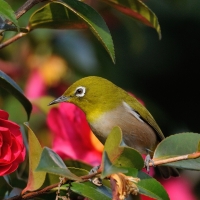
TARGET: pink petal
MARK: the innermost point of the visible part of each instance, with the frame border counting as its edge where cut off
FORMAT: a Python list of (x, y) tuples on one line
[(35, 86), (72, 134), (178, 188)]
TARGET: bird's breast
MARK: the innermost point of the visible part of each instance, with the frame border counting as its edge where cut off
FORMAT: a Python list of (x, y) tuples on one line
[(136, 132)]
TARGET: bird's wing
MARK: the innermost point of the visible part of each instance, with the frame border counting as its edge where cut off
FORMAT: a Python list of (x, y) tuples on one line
[(144, 114)]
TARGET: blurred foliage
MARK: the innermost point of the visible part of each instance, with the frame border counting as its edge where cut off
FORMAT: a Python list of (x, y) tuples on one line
[(163, 73)]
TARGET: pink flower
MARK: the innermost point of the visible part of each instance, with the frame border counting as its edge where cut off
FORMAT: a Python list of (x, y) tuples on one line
[(72, 135), (178, 188), (35, 86), (12, 150)]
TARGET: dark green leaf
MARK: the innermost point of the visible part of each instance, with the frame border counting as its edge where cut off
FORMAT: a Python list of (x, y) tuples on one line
[(7, 12), (177, 145), (73, 14), (151, 187), (8, 84), (35, 179), (138, 10), (15, 180), (5, 187), (121, 155), (77, 164), (91, 191), (51, 162)]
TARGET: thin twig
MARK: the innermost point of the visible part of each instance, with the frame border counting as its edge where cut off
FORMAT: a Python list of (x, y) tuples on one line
[(174, 159), (34, 194), (27, 6), (11, 40), (22, 10)]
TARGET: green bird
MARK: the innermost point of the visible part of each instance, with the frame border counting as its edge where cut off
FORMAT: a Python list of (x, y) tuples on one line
[(106, 106)]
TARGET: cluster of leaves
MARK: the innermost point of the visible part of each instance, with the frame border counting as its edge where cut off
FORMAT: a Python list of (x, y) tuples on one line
[(45, 166), (70, 14)]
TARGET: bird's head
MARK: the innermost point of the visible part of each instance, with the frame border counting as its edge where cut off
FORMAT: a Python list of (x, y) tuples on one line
[(90, 94)]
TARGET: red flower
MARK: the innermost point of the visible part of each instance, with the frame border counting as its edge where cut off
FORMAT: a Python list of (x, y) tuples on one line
[(72, 135), (12, 150)]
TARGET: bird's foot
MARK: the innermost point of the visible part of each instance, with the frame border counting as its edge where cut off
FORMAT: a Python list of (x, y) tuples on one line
[(95, 180), (148, 160)]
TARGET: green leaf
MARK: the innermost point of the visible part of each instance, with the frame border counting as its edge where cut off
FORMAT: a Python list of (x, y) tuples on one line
[(198, 148), (78, 171), (51, 162), (151, 187), (73, 14), (8, 84), (77, 164), (55, 15), (177, 145), (7, 12), (119, 154), (138, 10), (50, 180), (109, 168), (89, 190), (35, 179)]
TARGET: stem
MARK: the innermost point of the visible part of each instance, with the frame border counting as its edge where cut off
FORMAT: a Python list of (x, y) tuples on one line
[(22, 10), (27, 6), (11, 40), (34, 193), (174, 159)]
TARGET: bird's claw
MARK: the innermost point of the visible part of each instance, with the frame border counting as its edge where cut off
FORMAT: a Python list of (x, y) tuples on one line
[(148, 160), (95, 180)]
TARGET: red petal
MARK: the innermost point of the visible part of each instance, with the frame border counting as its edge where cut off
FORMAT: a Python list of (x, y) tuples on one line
[(3, 115)]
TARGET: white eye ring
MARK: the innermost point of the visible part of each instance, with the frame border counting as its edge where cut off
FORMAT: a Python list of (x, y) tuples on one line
[(80, 91)]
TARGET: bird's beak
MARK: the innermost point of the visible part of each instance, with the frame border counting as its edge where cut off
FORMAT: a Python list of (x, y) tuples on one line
[(59, 100)]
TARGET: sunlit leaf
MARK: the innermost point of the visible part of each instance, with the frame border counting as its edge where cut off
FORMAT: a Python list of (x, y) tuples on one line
[(7, 12), (8, 84), (70, 14), (51, 162), (138, 10), (151, 187), (177, 145), (35, 179), (55, 15)]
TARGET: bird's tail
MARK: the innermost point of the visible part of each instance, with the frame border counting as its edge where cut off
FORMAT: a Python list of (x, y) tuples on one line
[(167, 172)]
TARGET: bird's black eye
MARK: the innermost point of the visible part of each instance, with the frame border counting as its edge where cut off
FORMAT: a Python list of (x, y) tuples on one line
[(80, 91)]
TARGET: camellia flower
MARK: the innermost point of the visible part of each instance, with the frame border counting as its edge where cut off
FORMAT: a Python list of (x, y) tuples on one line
[(72, 135), (12, 150)]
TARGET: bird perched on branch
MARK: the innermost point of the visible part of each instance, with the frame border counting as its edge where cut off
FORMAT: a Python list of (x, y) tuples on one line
[(106, 106)]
